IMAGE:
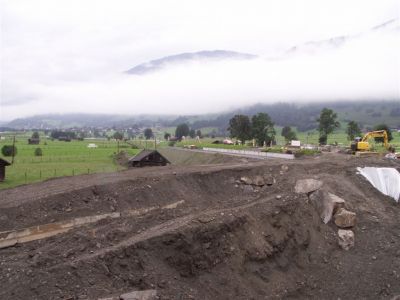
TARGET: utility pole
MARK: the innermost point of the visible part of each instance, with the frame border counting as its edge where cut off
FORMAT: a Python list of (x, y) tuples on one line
[(117, 146), (13, 150), (155, 143)]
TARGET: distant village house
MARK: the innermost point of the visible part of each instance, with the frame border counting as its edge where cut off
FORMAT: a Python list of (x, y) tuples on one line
[(33, 141), (64, 139)]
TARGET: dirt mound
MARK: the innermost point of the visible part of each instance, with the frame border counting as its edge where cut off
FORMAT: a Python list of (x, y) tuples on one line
[(179, 156), (239, 232), (122, 158)]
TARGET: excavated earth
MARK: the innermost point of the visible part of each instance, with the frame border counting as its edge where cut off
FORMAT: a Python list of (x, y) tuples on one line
[(200, 232)]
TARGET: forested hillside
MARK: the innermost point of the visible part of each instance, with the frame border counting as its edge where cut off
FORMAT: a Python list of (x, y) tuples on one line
[(301, 116)]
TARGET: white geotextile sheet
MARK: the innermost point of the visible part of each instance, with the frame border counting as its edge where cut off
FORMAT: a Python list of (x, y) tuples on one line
[(386, 180)]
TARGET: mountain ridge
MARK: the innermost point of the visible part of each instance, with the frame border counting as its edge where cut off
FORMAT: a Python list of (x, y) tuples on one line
[(216, 55)]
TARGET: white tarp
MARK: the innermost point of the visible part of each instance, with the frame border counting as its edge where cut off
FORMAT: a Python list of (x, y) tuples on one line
[(386, 180)]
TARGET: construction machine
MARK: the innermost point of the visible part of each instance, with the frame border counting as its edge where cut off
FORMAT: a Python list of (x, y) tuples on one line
[(361, 144)]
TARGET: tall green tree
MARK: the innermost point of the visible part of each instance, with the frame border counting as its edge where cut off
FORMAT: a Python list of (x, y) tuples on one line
[(192, 133), (388, 131), (352, 130), (182, 130), (263, 129), (240, 128), (148, 133), (9, 150), (118, 135), (288, 134), (38, 152), (167, 136), (35, 135), (327, 124), (198, 133)]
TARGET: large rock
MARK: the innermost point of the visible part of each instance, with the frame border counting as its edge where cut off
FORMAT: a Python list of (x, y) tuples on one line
[(326, 204), (140, 295), (246, 180), (305, 186), (269, 179), (346, 239), (344, 218), (255, 180), (258, 181)]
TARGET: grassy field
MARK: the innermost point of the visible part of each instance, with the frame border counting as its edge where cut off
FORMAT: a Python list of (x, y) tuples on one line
[(74, 158), (60, 159)]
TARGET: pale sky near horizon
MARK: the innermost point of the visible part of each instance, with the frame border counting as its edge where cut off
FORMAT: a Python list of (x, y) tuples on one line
[(69, 56)]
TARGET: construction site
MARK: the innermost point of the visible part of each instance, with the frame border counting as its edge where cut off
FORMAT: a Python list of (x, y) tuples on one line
[(207, 226)]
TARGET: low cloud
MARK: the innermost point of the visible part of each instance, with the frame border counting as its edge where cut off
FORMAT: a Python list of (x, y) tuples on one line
[(56, 78)]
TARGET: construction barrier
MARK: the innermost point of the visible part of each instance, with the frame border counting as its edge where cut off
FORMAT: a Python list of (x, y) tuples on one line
[(251, 153)]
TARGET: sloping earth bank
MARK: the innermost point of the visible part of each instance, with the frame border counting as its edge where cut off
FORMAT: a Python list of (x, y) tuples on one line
[(220, 238)]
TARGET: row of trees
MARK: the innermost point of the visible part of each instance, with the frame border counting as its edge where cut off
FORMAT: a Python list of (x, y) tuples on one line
[(184, 130), (261, 128), (180, 131), (148, 134)]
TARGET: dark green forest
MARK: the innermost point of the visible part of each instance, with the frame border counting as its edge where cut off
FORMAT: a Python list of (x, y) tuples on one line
[(302, 116)]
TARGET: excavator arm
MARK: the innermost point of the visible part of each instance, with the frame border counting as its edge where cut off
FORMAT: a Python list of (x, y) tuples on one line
[(375, 134), (363, 144)]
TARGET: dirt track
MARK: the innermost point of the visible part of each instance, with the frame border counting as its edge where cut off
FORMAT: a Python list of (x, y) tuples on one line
[(223, 240)]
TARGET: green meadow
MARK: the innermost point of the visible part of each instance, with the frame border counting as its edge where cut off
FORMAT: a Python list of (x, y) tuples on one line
[(60, 159), (74, 158)]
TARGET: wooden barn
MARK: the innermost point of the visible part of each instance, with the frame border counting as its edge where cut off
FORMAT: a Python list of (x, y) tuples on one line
[(33, 141), (3, 165), (148, 158)]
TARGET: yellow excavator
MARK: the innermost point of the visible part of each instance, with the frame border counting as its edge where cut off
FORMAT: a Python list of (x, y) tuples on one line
[(361, 144)]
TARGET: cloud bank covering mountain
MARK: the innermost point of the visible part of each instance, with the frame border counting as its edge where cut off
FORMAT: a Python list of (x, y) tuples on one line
[(73, 57)]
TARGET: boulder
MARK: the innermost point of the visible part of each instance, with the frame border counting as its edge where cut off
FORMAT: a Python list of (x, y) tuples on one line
[(258, 181), (326, 204), (139, 295), (269, 179), (346, 239), (344, 218), (337, 202), (246, 180), (248, 189), (305, 186)]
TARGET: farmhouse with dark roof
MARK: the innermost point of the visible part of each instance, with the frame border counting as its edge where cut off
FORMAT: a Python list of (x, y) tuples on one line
[(3, 165), (148, 158)]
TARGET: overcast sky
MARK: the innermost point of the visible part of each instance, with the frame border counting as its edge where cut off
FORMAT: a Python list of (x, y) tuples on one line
[(70, 56)]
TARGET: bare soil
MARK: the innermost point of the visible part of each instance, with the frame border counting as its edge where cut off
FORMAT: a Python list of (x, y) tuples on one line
[(223, 240)]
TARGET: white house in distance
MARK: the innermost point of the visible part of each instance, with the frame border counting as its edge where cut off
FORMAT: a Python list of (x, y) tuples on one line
[(92, 145)]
